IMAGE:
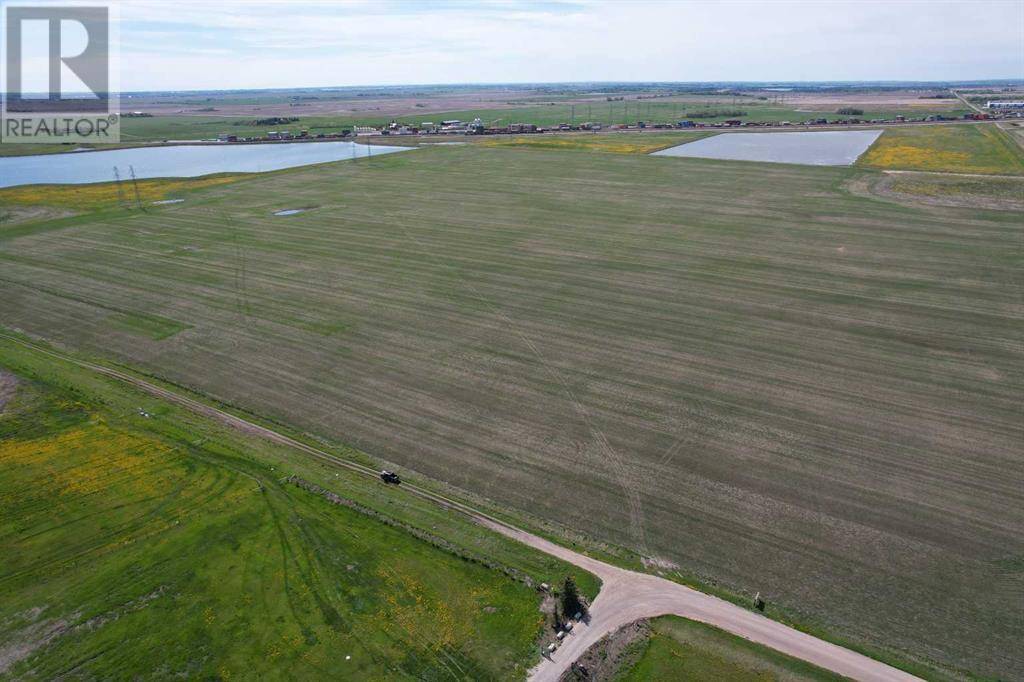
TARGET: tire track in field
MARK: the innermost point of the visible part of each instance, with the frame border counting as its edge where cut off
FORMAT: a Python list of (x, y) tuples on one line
[(620, 470), (625, 595)]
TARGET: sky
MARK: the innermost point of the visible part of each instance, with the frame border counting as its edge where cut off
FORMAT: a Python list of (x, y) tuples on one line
[(181, 44)]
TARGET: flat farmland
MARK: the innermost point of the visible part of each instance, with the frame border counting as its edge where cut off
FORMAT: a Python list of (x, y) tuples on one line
[(149, 542), (205, 125), (745, 370), (981, 148)]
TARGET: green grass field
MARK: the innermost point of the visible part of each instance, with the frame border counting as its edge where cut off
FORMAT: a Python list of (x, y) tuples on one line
[(163, 545), (775, 383), (680, 649), (982, 148)]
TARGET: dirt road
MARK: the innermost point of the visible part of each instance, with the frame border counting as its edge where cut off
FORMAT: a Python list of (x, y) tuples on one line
[(985, 176), (625, 595), (963, 99)]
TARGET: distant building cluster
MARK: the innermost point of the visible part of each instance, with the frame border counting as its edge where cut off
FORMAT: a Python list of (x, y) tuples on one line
[(275, 136), (478, 127)]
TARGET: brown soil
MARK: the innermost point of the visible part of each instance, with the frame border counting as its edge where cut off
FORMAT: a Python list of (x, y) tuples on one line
[(8, 386), (888, 186), (900, 99), (493, 98), (13, 215), (30, 638), (39, 633), (614, 653), (339, 106)]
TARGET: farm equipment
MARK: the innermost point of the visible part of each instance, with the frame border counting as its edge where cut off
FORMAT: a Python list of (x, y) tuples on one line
[(390, 477)]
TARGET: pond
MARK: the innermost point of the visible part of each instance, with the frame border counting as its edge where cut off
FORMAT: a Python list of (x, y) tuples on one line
[(826, 148), (177, 161)]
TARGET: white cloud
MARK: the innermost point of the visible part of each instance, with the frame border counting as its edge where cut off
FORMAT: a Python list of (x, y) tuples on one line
[(269, 43)]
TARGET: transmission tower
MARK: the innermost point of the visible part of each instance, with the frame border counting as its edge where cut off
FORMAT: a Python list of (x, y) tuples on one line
[(120, 189), (135, 184)]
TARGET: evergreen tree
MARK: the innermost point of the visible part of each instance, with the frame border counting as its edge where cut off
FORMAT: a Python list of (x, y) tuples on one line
[(572, 603)]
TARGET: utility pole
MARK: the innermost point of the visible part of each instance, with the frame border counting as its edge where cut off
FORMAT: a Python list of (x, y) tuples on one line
[(135, 184), (120, 189)]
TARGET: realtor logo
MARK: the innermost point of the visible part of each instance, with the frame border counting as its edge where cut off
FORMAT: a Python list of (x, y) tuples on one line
[(57, 74)]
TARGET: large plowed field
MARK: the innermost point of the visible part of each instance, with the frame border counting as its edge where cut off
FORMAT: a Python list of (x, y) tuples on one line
[(742, 369)]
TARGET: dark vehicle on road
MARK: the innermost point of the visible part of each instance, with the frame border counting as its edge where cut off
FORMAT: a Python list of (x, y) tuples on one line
[(390, 477)]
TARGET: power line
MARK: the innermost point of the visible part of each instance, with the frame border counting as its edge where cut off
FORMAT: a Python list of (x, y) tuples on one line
[(135, 184), (120, 189)]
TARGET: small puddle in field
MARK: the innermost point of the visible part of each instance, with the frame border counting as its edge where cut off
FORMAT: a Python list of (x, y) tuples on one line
[(290, 211), (168, 201)]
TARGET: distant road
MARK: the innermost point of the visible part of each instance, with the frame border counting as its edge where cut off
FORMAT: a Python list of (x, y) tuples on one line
[(625, 595), (969, 105)]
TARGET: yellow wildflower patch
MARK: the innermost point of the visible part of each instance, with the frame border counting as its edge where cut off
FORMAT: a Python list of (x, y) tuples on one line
[(917, 157), (106, 194), (89, 459), (949, 148), (409, 609)]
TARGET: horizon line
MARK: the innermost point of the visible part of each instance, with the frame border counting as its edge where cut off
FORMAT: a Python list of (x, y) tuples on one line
[(904, 82)]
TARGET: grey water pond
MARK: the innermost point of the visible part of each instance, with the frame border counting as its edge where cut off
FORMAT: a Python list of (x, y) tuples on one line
[(825, 148), (179, 161)]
